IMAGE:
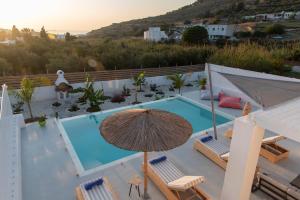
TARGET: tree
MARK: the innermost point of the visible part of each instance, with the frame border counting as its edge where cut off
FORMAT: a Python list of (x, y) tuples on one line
[(2, 35), (5, 67), (195, 35), (275, 29), (177, 81), (69, 37), (240, 6), (14, 32), (25, 93), (43, 33), (26, 33)]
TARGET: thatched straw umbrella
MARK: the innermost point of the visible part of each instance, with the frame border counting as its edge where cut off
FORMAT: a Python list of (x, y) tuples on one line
[(146, 130)]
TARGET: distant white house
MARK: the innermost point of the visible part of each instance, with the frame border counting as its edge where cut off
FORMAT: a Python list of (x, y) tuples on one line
[(154, 34), (272, 16), (8, 42), (220, 31), (288, 15), (60, 36)]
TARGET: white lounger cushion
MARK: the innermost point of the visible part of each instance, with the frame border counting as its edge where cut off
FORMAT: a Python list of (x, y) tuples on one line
[(167, 171), (225, 156), (272, 139), (96, 193), (186, 182)]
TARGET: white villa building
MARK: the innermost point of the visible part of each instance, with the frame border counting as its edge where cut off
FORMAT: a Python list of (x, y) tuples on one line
[(154, 34), (41, 162), (219, 31)]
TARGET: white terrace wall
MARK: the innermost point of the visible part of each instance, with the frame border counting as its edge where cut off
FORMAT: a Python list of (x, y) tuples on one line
[(110, 87), (10, 151), (221, 83)]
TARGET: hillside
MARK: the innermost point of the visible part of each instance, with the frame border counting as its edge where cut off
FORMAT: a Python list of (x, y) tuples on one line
[(230, 9)]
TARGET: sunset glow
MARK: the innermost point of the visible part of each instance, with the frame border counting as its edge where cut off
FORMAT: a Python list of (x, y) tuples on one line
[(78, 15)]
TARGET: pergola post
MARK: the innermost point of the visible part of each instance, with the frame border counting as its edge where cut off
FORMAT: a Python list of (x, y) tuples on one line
[(244, 153)]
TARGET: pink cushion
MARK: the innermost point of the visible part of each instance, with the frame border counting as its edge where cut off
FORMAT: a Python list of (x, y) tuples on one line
[(230, 102)]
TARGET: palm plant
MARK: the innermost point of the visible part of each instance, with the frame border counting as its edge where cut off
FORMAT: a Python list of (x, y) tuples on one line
[(139, 80), (25, 93), (94, 97), (177, 81)]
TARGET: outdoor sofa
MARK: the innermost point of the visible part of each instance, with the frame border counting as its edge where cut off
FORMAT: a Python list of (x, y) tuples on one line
[(277, 187), (172, 182)]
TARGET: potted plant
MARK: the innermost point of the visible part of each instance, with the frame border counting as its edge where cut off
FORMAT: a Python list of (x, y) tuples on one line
[(56, 104), (126, 91), (171, 88), (42, 121), (202, 83), (189, 85), (153, 87), (17, 108), (117, 99), (149, 95), (73, 108)]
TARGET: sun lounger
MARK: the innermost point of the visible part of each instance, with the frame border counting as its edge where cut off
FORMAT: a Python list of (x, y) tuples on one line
[(273, 151), (173, 183), (98, 189), (269, 148), (213, 149)]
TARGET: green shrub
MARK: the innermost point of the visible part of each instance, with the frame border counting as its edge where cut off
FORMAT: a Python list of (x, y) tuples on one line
[(249, 56), (275, 29)]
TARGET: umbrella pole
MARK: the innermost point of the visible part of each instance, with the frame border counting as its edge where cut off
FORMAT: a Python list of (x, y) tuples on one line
[(212, 101), (146, 196)]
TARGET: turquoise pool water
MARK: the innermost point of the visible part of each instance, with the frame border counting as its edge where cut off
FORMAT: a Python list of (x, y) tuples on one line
[(93, 151)]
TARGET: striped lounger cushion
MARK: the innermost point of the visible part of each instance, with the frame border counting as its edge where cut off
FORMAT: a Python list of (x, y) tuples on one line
[(216, 146), (96, 193), (167, 171)]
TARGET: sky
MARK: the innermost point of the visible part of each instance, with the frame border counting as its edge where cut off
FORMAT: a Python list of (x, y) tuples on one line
[(79, 15)]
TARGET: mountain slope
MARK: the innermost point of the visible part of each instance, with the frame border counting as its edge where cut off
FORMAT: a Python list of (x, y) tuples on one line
[(231, 9)]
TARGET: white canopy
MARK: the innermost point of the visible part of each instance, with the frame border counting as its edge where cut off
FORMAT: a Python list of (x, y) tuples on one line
[(284, 119)]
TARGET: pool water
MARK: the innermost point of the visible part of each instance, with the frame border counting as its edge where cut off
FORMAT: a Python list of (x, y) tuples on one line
[(93, 151)]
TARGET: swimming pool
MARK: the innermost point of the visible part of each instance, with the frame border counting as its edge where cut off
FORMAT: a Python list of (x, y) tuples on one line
[(89, 150)]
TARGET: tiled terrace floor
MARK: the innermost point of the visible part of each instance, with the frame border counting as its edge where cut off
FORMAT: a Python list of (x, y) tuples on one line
[(49, 173)]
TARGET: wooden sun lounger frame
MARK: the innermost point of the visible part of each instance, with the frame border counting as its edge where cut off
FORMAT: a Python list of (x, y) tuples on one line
[(199, 146), (269, 149), (108, 185), (170, 194), (278, 153)]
